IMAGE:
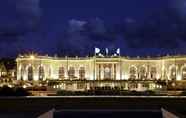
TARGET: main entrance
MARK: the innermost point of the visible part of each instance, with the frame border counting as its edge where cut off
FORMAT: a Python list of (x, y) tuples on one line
[(106, 71)]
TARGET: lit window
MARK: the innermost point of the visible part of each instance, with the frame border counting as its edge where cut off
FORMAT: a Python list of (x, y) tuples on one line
[(142, 73), (133, 73), (82, 73), (153, 73), (30, 73), (41, 73), (184, 73), (173, 73), (61, 72), (71, 73)]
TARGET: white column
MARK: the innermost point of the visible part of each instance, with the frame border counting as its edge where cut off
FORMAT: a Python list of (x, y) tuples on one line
[(118, 72), (112, 71), (102, 72), (25, 74), (76, 72), (19, 72), (35, 73)]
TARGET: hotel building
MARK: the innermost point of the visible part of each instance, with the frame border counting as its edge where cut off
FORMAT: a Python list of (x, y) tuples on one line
[(89, 72)]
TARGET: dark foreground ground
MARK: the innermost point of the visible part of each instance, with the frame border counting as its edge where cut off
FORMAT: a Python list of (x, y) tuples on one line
[(31, 107), (108, 114)]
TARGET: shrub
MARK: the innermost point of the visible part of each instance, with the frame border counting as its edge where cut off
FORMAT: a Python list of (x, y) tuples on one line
[(106, 91), (183, 93), (7, 91), (21, 92)]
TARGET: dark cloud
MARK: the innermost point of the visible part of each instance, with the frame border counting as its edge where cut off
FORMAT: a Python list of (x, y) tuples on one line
[(17, 19), (93, 33), (158, 33), (160, 30), (137, 27)]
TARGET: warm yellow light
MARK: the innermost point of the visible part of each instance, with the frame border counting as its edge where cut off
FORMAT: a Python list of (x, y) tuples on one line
[(24, 86), (32, 57), (158, 76), (126, 76), (179, 77)]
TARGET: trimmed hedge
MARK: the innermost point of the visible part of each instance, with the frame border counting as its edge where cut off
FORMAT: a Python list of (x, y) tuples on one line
[(7, 91), (106, 92)]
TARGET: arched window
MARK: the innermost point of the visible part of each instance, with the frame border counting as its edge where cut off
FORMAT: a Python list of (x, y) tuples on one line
[(173, 73), (41, 73), (71, 72), (107, 72), (22, 73), (49, 72), (184, 73), (82, 73), (61, 72), (30, 73), (142, 73), (153, 73), (133, 72)]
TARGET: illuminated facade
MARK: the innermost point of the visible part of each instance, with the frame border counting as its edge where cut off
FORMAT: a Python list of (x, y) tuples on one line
[(84, 73)]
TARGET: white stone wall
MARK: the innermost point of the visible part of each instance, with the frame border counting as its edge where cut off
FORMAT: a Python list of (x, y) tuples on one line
[(123, 65)]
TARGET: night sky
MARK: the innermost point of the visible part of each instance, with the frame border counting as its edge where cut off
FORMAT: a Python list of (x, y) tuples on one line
[(75, 27)]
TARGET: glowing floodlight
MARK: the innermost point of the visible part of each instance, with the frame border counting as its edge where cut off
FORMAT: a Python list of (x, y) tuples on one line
[(32, 57)]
